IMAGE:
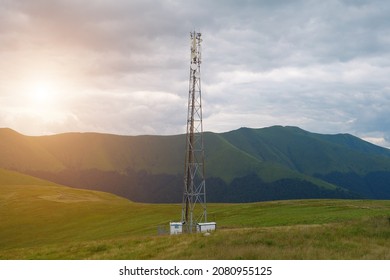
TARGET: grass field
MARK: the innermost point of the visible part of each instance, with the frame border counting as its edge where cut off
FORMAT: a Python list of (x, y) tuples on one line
[(41, 220)]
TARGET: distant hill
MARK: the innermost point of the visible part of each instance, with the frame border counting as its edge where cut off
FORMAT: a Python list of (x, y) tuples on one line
[(243, 165)]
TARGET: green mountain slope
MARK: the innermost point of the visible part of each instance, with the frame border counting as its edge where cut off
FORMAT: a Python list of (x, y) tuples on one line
[(155, 154), (310, 153), (242, 165), (22, 153)]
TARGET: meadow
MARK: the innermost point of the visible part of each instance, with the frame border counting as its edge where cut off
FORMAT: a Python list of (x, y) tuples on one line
[(42, 220)]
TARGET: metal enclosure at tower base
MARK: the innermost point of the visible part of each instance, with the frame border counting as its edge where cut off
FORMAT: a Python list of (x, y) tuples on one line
[(194, 211), (206, 227), (175, 228)]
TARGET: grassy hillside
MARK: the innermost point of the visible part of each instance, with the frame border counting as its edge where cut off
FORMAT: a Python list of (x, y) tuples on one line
[(11, 178), (41, 220), (35, 211)]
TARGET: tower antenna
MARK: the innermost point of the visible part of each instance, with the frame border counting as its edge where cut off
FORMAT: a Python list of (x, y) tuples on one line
[(194, 210), (194, 196)]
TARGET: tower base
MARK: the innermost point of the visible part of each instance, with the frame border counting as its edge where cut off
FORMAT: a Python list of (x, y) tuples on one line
[(177, 227)]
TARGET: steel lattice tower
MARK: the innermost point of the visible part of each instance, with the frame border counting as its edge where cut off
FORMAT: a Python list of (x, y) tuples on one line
[(194, 197)]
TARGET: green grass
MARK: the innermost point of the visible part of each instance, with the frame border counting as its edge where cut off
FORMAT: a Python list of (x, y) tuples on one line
[(42, 220), (366, 238)]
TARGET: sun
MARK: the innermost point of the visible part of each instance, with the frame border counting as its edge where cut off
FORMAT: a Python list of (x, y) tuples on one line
[(42, 93)]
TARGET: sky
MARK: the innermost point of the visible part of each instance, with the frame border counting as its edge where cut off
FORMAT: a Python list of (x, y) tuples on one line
[(122, 67)]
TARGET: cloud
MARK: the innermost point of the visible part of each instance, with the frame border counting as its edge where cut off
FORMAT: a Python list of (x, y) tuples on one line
[(122, 66)]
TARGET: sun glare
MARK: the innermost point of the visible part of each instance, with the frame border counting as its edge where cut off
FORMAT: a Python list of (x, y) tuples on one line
[(42, 93), (43, 98)]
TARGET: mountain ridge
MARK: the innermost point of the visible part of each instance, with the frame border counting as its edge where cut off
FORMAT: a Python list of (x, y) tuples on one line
[(277, 160)]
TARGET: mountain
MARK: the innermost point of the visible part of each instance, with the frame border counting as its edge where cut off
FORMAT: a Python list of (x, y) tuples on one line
[(19, 152), (243, 165), (310, 153)]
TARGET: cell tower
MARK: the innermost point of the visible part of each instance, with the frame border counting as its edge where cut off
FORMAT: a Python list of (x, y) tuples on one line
[(194, 209)]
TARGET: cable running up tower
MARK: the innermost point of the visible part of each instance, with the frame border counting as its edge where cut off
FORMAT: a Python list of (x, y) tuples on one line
[(194, 197)]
